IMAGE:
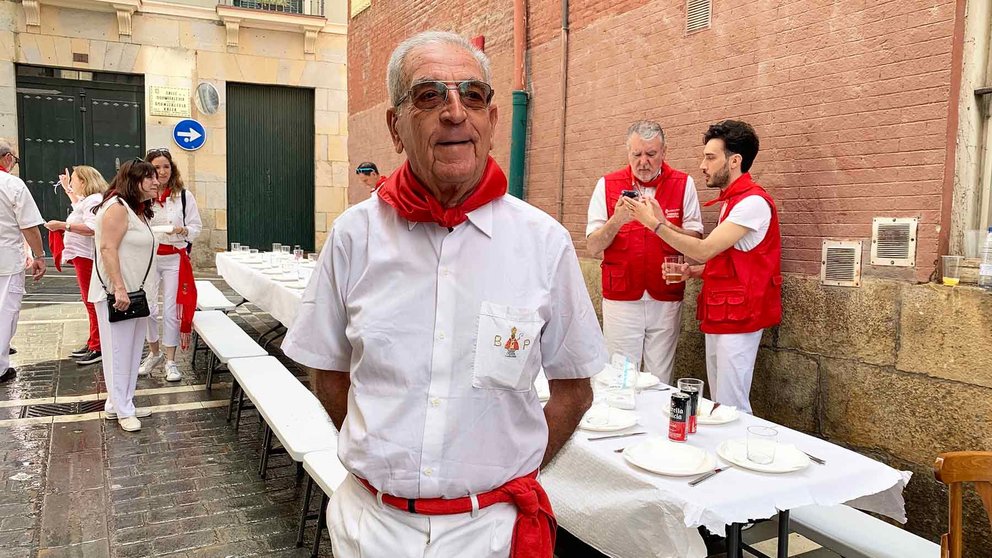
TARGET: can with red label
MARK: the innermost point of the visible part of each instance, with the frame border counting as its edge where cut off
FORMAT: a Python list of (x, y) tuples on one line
[(693, 394), (678, 418)]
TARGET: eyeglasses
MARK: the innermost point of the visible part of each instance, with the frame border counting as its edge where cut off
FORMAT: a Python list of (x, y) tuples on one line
[(429, 95), (16, 159)]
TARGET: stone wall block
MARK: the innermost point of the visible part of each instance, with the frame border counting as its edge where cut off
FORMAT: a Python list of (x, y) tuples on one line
[(592, 274), (690, 357), (853, 323), (946, 333), (785, 389), (909, 416)]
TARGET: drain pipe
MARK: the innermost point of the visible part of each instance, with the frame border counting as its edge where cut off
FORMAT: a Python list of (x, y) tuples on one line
[(564, 108), (518, 130)]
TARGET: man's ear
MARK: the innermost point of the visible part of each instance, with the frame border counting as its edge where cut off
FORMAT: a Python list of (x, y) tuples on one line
[(391, 118)]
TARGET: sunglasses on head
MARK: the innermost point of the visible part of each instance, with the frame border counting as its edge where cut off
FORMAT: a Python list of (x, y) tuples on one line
[(429, 95), (158, 151)]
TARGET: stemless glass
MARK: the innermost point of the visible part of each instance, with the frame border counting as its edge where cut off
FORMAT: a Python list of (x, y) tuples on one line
[(297, 254), (276, 247), (761, 442), (285, 249), (235, 247)]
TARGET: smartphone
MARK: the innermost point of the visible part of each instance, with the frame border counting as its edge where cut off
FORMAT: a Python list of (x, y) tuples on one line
[(630, 194)]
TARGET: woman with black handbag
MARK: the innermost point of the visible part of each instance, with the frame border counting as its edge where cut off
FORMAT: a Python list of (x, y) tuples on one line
[(125, 252)]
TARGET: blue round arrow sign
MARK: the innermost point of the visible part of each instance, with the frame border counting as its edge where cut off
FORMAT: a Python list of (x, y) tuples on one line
[(189, 134)]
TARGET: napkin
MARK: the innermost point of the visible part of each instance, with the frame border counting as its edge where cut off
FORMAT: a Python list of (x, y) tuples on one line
[(611, 377)]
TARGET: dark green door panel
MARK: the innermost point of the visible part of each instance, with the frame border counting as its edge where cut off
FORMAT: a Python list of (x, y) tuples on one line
[(270, 165)]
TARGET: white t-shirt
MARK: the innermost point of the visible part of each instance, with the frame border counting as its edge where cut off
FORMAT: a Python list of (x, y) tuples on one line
[(754, 214), (17, 211), (444, 334), (692, 217), (77, 245)]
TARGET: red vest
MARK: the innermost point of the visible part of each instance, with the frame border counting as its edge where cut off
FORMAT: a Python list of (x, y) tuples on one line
[(632, 262), (742, 291)]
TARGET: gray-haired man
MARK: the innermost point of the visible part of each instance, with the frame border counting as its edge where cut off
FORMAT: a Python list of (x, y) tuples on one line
[(641, 311)]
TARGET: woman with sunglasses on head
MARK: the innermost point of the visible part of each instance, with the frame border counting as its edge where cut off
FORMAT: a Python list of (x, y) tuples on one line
[(125, 254), (177, 224), (85, 187)]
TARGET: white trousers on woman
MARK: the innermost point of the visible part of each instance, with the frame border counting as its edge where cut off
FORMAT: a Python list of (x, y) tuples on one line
[(121, 344), (360, 526), (166, 281), (11, 293)]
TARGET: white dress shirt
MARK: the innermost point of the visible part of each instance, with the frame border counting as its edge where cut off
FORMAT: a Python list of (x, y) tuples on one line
[(77, 245), (17, 211), (442, 402), (172, 214)]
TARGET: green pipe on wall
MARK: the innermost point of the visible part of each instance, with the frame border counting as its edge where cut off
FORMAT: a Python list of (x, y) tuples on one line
[(518, 143)]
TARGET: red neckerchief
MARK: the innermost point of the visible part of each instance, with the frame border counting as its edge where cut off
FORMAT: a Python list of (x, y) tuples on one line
[(164, 196), (403, 191), (378, 183), (4, 169), (744, 182), (56, 245)]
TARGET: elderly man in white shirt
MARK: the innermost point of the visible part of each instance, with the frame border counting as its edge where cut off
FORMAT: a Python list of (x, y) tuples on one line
[(434, 307), (19, 221)]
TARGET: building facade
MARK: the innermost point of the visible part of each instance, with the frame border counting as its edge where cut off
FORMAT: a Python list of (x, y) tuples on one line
[(873, 118), (99, 82)]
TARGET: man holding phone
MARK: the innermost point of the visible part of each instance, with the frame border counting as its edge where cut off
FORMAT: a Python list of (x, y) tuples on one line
[(641, 311)]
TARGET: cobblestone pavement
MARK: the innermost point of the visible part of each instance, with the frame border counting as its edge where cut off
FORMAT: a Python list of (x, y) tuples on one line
[(185, 485)]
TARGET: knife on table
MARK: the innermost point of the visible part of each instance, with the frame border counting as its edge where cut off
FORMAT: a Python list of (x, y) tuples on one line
[(698, 480)]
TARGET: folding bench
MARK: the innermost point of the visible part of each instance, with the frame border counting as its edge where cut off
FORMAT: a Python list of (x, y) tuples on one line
[(209, 297), (225, 339), (855, 534), (324, 468)]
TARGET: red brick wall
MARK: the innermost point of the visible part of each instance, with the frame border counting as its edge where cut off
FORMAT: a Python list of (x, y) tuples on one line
[(850, 99)]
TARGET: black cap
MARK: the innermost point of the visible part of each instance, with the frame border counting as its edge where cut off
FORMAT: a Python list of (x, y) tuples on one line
[(367, 166)]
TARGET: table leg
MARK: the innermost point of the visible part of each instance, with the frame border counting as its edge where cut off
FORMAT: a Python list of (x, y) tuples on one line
[(783, 534), (734, 549)]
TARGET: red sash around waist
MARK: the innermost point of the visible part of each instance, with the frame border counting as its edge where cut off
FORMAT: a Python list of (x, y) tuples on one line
[(186, 293), (533, 532)]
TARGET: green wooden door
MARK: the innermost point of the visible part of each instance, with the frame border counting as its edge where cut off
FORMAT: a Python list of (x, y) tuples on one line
[(65, 121), (270, 165)]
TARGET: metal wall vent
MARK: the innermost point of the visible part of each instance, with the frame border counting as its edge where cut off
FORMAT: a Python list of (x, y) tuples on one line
[(697, 15), (893, 241), (840, 263)]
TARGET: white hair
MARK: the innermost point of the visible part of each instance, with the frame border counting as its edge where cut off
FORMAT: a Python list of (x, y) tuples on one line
[(398, 82), (647, 130), (5, 147)]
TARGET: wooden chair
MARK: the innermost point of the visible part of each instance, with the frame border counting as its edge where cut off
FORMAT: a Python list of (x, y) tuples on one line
[(953, 469)]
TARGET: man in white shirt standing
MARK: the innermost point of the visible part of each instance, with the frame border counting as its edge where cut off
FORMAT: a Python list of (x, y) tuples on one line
[(434, 307), (641, 311), (19, 222), (742, 281)]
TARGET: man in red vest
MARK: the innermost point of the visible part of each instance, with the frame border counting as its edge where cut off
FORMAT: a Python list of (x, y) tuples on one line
[(641, 311), (742, 281)]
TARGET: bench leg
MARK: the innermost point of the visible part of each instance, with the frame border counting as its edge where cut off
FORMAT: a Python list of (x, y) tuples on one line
[(241, 405), (321, 523), (734, 549), (196, 346), (231, 402), (783, 534), (211, 365), (304, 512), (266, 449), (299, 471)]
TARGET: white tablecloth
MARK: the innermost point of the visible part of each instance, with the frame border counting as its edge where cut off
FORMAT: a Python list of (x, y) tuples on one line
[(627, 512), (272, 296)]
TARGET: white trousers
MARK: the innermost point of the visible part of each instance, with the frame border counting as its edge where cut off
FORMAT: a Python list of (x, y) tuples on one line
[(359, 527), (166, 270), (647, 329), (11, 293), (730, 367), (121, 344)]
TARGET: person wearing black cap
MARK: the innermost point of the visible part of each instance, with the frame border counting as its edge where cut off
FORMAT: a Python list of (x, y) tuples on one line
[(368, 173)]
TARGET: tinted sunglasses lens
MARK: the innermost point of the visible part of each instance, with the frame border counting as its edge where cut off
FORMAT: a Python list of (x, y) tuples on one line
[(475, 94), (429, 95)]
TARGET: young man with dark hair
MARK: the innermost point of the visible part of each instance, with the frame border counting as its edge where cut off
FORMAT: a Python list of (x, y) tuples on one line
[(742, 282), (368, 174)]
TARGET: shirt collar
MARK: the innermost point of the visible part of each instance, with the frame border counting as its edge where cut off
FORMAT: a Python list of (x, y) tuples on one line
[(482, 218)]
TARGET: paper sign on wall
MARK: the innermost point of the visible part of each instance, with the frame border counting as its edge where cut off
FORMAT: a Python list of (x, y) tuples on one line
[(169, 101)]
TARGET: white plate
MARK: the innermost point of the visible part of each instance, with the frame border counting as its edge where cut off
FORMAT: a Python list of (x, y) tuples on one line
[(787, 458), (665, 457), (272, 271), (610, 374), (166, 229), (722, 415), (619, 419), (286, 278), (300, 285)]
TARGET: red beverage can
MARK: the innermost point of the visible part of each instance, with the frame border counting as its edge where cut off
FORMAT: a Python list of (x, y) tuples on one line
[(693, 407), (678, 418)]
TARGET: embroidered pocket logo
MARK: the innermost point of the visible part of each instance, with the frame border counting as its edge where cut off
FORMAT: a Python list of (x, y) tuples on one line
[(513, 344), (673, 213)]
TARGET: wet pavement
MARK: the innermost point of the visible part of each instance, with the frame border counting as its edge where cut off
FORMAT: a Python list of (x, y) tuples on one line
[(185, 485)]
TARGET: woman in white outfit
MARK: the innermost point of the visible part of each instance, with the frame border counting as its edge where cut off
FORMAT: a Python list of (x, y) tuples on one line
[(177, 224), (85, 187), (125, 253)]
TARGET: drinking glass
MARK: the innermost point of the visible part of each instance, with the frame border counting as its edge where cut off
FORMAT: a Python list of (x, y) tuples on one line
[(672, 269), (244, 249), (285, 249), (761, 442), (235, 247), (276, 247), (694, 389), (297, 254), (952, 270), (287, 267), (253, 252)]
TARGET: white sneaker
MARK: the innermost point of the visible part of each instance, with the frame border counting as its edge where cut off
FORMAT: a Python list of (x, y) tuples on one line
[(172, 373), (140, 412), (129, 424), (150, 362)]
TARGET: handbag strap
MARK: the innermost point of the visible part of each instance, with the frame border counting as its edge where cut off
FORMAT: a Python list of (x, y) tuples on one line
[(151, 257)]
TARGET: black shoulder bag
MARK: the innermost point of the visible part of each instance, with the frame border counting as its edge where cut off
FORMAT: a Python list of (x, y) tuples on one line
[(139, 302)]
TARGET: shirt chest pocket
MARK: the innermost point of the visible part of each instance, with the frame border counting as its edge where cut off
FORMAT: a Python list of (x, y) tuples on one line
[(507, 351)]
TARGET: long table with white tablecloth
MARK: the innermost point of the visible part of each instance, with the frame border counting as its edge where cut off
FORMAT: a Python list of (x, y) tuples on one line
[(248, 279)]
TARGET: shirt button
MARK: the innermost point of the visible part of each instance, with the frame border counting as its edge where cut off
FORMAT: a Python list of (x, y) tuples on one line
[(444, 272), (440, 336), (435, 402), (428, 471)]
